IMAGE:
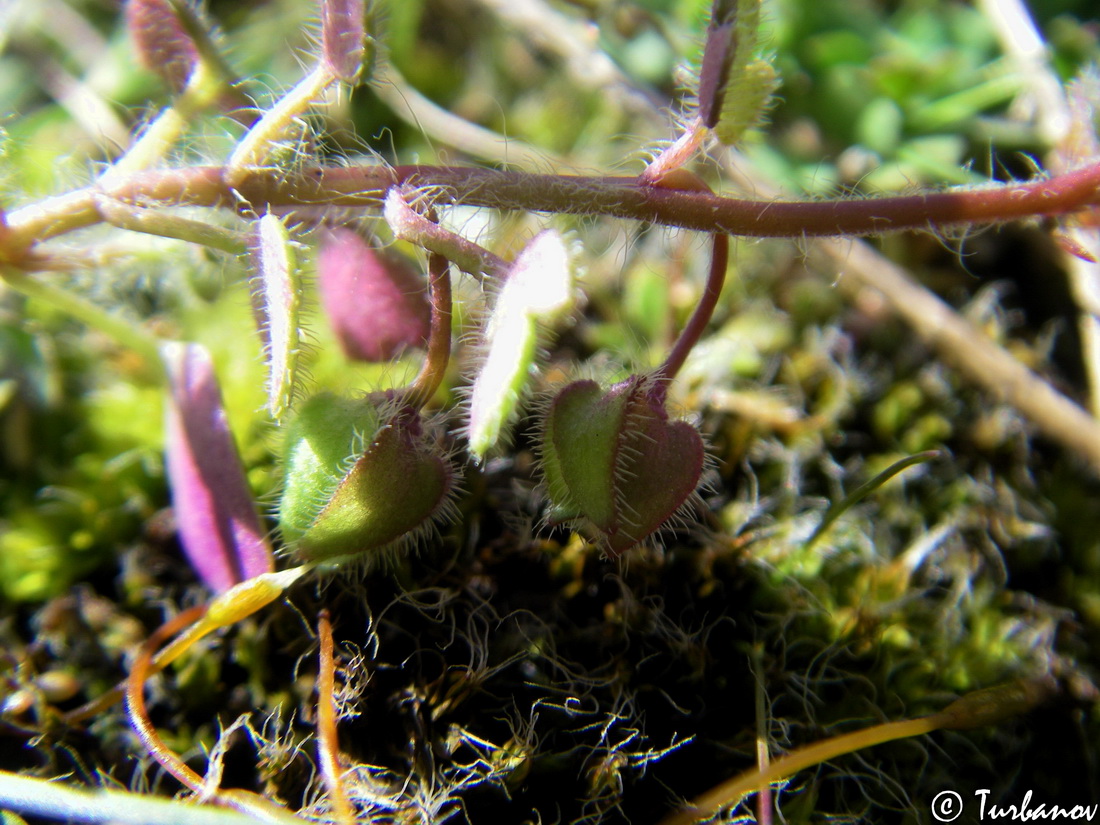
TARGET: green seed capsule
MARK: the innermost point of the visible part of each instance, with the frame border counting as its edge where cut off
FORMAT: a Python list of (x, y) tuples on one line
[(612, 459), (362, 475)]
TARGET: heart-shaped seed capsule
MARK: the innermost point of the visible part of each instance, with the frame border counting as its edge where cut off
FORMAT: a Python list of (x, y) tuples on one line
[(362, 475), (611, 458)]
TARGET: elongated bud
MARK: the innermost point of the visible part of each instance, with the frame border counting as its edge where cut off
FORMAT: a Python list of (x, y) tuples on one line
[(163, 45), (537, 289), (276, 302), (362, 475), (992, 705), (218, 525), (613, 459), (735, 85), (244, 599), (343, 37), (719, 51), (376, 301)]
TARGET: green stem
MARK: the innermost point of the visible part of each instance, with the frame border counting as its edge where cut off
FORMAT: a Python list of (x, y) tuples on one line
[(166, 225), (203, 90), (126, 333), (864, 490), (256, 145)]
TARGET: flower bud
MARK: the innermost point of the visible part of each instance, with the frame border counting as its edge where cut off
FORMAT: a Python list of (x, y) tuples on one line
[(735, 85), (376, 302), (343, 37), (163, 45), (613, 459), (361, 475)]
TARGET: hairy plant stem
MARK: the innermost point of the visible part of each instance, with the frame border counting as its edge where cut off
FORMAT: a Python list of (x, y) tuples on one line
[(246, 802), (620, 197), (697, 324), (164, 131), (434, 369), (409, 225), (328, 745), (254, 148), (135, 705), (151, 221)]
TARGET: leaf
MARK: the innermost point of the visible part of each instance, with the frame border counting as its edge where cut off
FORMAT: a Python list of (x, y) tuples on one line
[(218, 525), (537, 289), (276, 301), (735, 84)]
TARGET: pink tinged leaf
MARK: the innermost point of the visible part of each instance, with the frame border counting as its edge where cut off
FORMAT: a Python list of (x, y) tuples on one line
[(163, 45), (343, 36), (376, 302), (218, 525), (735, 86)]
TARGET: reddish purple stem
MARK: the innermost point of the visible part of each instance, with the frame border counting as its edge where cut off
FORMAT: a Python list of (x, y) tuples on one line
[(620, 197), (697, 324)]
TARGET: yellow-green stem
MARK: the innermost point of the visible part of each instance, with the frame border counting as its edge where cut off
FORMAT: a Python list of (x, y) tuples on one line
[(731, 792), (256, 145)]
